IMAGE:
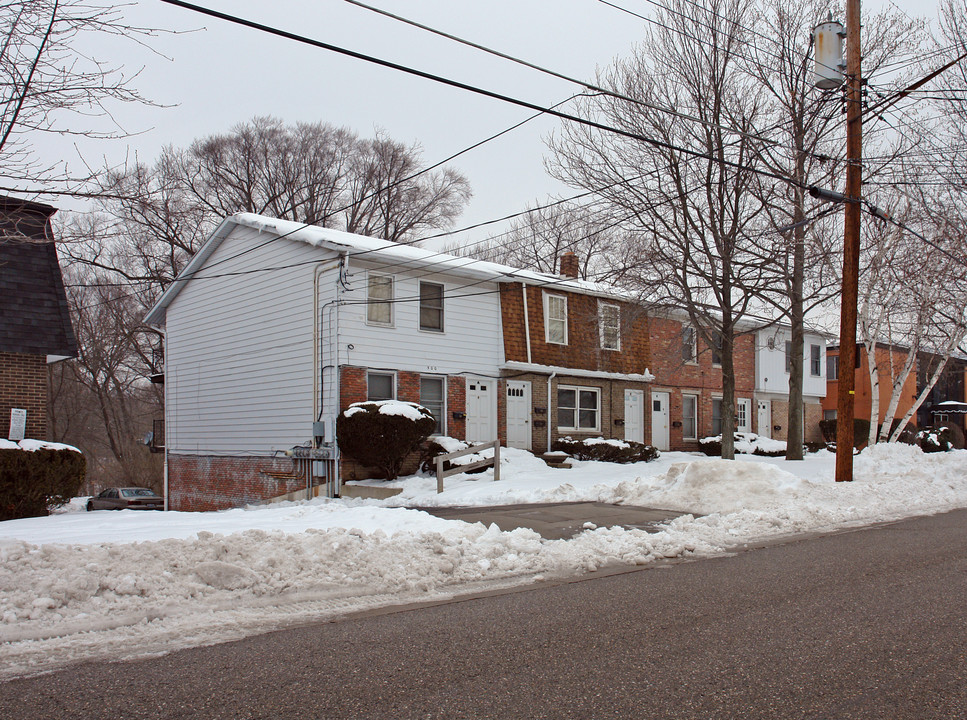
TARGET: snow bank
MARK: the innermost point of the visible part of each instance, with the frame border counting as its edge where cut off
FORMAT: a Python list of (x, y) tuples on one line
[(122, 584)]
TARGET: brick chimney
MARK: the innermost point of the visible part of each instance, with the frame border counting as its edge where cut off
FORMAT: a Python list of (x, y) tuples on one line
[(569, 265)]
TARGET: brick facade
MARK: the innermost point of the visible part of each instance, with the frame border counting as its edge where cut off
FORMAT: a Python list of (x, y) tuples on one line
[(23, 384), (812, 415), (200, 483), (700, 377)]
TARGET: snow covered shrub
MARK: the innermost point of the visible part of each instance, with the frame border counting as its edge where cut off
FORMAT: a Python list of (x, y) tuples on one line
[(439, 446), (861, 431), (33, 481), (940, 439), (747, 443), (616, 451), (382, 433)]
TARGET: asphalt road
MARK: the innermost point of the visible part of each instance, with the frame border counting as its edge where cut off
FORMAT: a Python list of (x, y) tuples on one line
[(864, 624)]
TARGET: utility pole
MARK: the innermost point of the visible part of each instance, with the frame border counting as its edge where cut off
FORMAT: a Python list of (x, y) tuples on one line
[(851, 247)]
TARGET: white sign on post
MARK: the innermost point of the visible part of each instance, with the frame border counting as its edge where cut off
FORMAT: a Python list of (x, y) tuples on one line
[(18, 424)]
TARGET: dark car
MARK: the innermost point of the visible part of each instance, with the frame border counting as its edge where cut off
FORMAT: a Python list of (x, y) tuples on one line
[(131, 498)]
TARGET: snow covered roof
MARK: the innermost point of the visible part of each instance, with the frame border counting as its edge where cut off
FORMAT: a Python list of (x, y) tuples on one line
[(400, 255)]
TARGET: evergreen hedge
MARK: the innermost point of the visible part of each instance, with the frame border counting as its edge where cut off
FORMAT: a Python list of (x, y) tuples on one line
[(378, 440), (33, 482), (606, 452)]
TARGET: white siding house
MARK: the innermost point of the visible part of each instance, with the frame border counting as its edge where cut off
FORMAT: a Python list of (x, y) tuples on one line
[(275, 325), (772, 363)]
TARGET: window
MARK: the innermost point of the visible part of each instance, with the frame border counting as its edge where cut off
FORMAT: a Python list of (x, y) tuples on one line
[(716, 416), (432, 395), (829, 414), (380, 386), (689, 417), (578, 408), (941, 417), (788, 356), (609, 318), (379, 311), (689, 349), (555, 319), (832, 367), (431, 306), (716, 347), (815, 360)]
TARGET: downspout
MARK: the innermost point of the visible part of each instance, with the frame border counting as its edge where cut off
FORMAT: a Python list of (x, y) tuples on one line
[(550, 409), (164, 350), (527, 322)]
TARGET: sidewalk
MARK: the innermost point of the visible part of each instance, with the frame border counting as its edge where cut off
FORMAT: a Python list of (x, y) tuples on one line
[(555, 521)]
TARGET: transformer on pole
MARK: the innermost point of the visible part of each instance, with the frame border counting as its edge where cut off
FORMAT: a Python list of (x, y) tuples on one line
[(828, 55)]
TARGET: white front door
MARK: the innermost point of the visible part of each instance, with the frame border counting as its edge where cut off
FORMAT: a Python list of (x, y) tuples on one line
[(519, 414), (635, 415), (743, 415), (481, 426), (659, 420), (765, 419)]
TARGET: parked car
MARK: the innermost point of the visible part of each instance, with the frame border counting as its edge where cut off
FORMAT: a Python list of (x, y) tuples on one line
[(131, 498)]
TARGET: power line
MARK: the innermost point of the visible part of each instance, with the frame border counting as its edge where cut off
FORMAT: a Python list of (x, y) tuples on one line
[(471, 88)]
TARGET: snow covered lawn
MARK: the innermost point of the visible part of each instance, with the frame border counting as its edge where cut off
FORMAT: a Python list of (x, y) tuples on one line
[(79, 585)]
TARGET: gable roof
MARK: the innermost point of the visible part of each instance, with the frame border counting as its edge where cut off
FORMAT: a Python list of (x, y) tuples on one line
[(34, 315), (359, 246)]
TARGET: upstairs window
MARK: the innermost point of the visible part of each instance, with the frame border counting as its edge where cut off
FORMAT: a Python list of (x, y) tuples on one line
[(815, 360), (609, 319), (431, 306), (832, 367), (555, 319), (689, 345), (716, 348), (379, 310)]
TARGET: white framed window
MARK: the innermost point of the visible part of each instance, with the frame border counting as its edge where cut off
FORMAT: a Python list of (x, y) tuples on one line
[(555, 319), (433, 396), (609, 321), (815, 360), (431, 306), (380, 386), (689, 417), (829, 414), (716, 416), (743, 415), (578, 408), (379, 298), (689, 345)]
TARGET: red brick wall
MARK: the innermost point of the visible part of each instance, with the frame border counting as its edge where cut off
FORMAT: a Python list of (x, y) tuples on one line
[(583, 349), (23, 384), (215, 483), (702, 378)]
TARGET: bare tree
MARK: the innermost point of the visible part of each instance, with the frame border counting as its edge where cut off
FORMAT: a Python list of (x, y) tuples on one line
[(538, 238), (690, 184), (50, 87)]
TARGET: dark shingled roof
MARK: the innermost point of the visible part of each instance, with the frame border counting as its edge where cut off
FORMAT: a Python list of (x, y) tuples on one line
[(34, 316)]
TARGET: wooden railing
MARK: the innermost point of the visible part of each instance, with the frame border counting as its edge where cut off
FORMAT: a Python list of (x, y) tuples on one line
[(456, 469)]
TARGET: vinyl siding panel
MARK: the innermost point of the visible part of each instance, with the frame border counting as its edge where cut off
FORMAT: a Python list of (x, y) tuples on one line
[(470, 342), (239, 366), (771, 375)]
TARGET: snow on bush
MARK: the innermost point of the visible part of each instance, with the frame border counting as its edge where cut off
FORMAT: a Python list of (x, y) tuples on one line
[(613, 451), (747, 443), (382, 433)]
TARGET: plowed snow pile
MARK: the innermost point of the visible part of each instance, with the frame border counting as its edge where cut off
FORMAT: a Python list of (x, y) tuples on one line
[(81, 585)]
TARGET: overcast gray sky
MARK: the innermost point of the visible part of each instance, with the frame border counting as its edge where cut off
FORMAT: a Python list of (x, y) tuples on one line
[(223, 74)]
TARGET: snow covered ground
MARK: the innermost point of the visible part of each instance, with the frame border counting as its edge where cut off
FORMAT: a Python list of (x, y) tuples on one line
[(80, 585)]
